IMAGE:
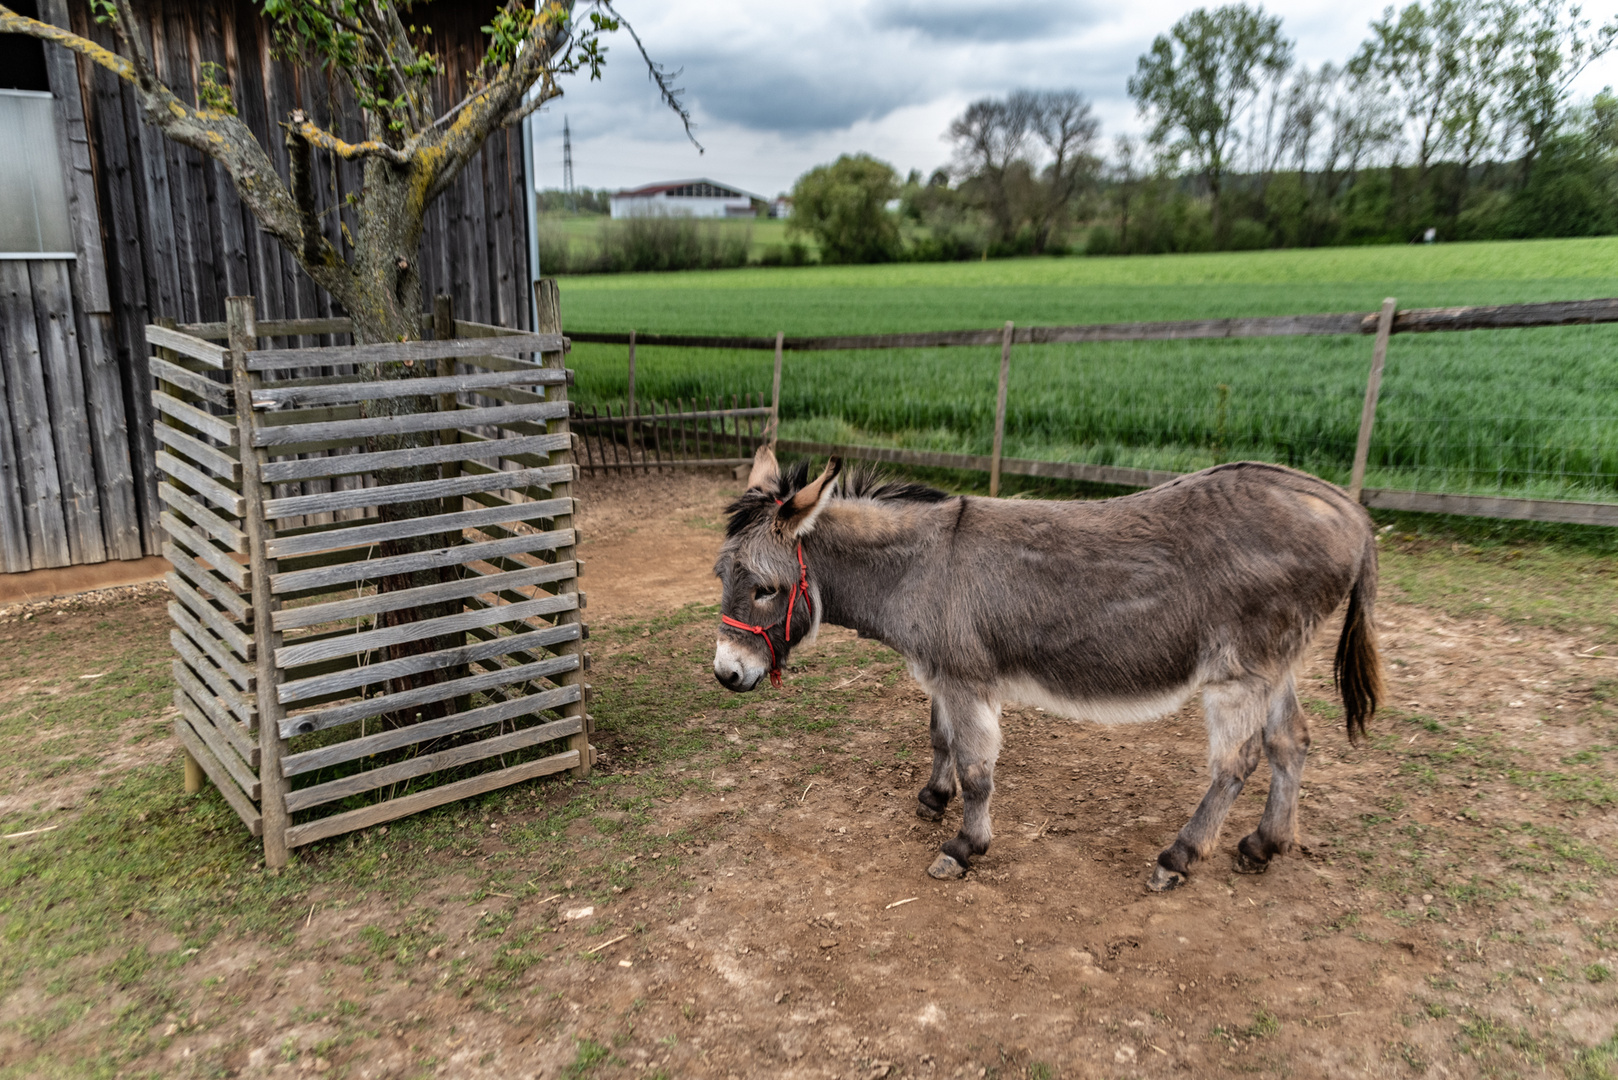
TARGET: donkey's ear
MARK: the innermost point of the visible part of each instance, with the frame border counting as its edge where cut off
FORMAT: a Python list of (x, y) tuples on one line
[(766, 473), (797, 515)]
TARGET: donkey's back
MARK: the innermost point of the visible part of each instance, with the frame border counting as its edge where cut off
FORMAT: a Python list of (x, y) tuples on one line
[(1221, 572)]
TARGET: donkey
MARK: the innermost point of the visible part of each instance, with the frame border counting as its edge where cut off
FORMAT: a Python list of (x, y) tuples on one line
[(1116, 611)]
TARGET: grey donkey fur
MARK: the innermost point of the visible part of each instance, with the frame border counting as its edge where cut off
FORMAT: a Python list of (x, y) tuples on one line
[(1116, 611)]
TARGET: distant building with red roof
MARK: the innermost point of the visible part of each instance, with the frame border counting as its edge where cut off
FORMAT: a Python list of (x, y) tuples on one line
[(686, 198)]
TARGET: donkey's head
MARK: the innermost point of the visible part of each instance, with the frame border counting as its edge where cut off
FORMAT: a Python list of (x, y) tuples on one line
[(770, 604)]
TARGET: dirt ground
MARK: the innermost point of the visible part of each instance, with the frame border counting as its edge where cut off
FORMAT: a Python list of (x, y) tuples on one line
[(754, 872)]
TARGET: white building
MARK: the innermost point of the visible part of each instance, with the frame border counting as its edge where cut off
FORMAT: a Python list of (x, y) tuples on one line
[(685, 198)]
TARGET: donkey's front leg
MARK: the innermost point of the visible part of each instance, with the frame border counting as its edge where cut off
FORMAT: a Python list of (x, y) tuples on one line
[(933, 799), (975, 745)]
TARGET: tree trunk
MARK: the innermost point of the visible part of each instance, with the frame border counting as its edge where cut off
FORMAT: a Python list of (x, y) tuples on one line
[(386, 305)]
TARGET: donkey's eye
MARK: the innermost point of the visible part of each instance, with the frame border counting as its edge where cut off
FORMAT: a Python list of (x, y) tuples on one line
[(762, 593)]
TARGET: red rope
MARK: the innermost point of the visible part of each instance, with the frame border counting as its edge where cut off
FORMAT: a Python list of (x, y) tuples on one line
[(764, 631)]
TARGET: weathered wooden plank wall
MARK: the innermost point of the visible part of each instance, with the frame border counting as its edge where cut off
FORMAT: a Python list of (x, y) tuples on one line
[(67, 490), (179, 241), (106, 416)]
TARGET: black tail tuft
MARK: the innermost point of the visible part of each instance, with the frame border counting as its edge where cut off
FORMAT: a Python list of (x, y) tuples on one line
[(1357, 668)]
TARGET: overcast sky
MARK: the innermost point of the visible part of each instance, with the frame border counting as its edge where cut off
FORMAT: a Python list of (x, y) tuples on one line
[(778, 87)]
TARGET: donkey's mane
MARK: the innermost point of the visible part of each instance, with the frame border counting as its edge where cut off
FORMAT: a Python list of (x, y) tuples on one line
[(858, 483), (863, 482)]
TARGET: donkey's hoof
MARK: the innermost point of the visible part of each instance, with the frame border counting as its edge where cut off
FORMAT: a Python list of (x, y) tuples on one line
[(1253, 855), (1246, 864), (930, 805), (945, 868), (1163, 879)]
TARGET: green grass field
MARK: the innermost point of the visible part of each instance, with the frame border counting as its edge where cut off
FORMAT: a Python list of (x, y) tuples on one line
[(1525, 412)]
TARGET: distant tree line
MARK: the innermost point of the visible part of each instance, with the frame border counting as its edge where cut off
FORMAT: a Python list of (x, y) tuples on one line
[(1454, 116)]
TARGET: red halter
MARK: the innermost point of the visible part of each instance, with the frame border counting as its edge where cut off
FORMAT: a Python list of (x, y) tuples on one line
[(764, 631)]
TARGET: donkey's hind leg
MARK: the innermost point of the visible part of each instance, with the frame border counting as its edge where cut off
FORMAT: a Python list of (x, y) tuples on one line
[(1286, 742), (1235, 713), (974, 729), (932, 800)]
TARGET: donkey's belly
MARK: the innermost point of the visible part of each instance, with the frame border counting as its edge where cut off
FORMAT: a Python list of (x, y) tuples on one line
[(1109, 710)]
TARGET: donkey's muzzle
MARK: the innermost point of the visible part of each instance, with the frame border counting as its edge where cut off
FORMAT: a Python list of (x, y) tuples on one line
[(733, 669), (730, 680)]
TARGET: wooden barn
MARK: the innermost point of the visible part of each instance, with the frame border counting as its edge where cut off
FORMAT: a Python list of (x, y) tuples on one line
[(105, 226)]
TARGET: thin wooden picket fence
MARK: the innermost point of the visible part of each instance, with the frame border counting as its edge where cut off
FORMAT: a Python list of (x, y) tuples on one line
[(671, 434)]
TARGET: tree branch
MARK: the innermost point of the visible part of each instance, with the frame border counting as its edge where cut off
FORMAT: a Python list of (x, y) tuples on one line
[(316, 135), (486, 109), (129, 30), (548, 92), (388, 31), (221, 136), (659, 75), (12, 23), (303, 191)]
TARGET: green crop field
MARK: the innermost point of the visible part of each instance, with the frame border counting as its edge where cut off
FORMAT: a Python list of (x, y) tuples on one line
[(1523, 412)]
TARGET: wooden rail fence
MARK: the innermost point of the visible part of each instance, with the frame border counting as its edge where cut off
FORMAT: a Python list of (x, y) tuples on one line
[(317, 700), (1411, 321), (1381, 325)]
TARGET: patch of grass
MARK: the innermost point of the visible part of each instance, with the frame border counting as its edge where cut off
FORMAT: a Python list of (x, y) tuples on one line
[(1412, 1057), (1557, 582), (1543, 849), (1599, 1062), (1484, 756)]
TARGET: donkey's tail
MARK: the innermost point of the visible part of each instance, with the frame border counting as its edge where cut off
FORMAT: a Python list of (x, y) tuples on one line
[(1358, 669)]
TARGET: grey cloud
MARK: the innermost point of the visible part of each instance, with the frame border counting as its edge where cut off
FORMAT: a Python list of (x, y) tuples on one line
[(809, 84), (755, 93), (974, 21)]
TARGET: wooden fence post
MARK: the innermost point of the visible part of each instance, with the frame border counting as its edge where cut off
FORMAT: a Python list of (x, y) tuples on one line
[(1373, 390), (629, 410), (194, 776), (548, 304), (775, 393), (241, 321), (1000, 413)]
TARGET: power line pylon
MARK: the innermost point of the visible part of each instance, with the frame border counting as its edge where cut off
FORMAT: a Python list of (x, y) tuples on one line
[(567, 165)]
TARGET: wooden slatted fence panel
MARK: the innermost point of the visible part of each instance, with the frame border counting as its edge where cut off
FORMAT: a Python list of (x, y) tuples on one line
[(381, 702), (199, 489)]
